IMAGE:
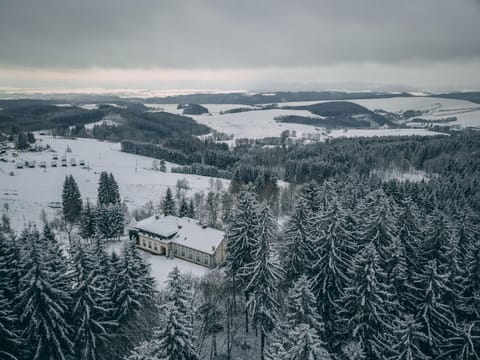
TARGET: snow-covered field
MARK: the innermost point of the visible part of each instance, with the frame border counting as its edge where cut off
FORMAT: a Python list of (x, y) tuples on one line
[(255, 124), (32, 189), (466, 112), (161, 265), (213, 109)]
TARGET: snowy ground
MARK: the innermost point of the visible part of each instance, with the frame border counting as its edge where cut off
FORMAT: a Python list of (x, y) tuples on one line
[(161, 265), (213, 109), (32, 189)]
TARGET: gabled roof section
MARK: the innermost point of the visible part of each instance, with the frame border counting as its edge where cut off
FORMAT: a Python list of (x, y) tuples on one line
[(185, 231), (164, 226)]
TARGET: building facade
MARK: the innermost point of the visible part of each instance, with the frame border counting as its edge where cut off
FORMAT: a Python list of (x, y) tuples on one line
[(182, 238)]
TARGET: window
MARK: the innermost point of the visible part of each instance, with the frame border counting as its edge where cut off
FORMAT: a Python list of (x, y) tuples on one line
[(149, 244), (155, 247), (206, 260), (144, 243), (190, 254), (198, 257), (183, 252)]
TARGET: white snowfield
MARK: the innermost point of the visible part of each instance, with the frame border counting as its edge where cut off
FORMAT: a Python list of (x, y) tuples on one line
[(213, 109), (255, 124), (32, 189), (161, 266)]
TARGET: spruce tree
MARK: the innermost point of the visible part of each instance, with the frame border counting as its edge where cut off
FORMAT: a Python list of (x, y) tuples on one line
[(464, 344), (334, 247), (173, 341), (87, 221), (265, 276), (71, 200), (191, 210), (434, 316), (44, 306), (183, 210), (298, 246), (306, 345), (178, 293), (310, 193), (367, 304), (103, 191), (301, 306), (168, 205), (408, 339), (114, 191), (90, 316)]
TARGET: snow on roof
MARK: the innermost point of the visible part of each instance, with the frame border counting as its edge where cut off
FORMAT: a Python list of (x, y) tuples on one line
[(165, 226), (188, 232)]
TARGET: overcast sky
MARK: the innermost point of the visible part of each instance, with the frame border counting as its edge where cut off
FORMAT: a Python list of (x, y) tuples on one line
[(240, 44)]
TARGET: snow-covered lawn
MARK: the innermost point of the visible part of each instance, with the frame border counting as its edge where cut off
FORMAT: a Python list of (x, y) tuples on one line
[(161, 265), (33, 189)]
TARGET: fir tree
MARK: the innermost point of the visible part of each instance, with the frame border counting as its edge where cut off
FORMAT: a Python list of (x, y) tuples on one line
[(183, 210), (311, 195), (435, 318), (89, 314), (306, 345), (113, 190), (191, 210), (109, 221), (298, 248), (103, 191), (465, 344), (173, 341), (177, 292), (301, 306), (9, 339), (44, 306), (71, 200), (168, 205), (265, 276), (334, 248), (88, 221), (408, 337), (368, 304)]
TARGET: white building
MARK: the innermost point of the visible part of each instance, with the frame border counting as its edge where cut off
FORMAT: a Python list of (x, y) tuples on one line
[(183, 238)]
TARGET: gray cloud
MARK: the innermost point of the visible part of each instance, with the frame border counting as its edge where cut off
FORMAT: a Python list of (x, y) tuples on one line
[(233, 34)]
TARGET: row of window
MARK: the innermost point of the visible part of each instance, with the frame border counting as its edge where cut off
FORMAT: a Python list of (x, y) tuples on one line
[(185, 252)]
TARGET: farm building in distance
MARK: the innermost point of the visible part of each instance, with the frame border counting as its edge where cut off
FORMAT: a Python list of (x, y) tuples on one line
[(183, 238)]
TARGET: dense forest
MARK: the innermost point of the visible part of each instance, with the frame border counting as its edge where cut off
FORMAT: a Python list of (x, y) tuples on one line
[(349, 265)]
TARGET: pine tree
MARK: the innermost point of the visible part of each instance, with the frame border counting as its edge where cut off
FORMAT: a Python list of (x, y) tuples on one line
[(306, 345), (44, 306), (410, 236), (173, 341), (367, 304), (301, 306), (89, 314), (311, 195), (379, 225), (465, 344), (71, 200), (103, 192), (133, 296), (436, 318), (298, 248), (212, 208), (114, 191), (242, 234), (168, 205), (471, 281), (265, 276), (183, 211), (334, 248), (87, 221), (177, 292), (408, 337), (191, 210), (109, 221), (9, 337)]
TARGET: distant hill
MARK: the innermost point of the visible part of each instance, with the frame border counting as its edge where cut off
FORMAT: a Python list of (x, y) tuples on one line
[(193, 109), (473, 96), (268, 98), (337, 114)]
